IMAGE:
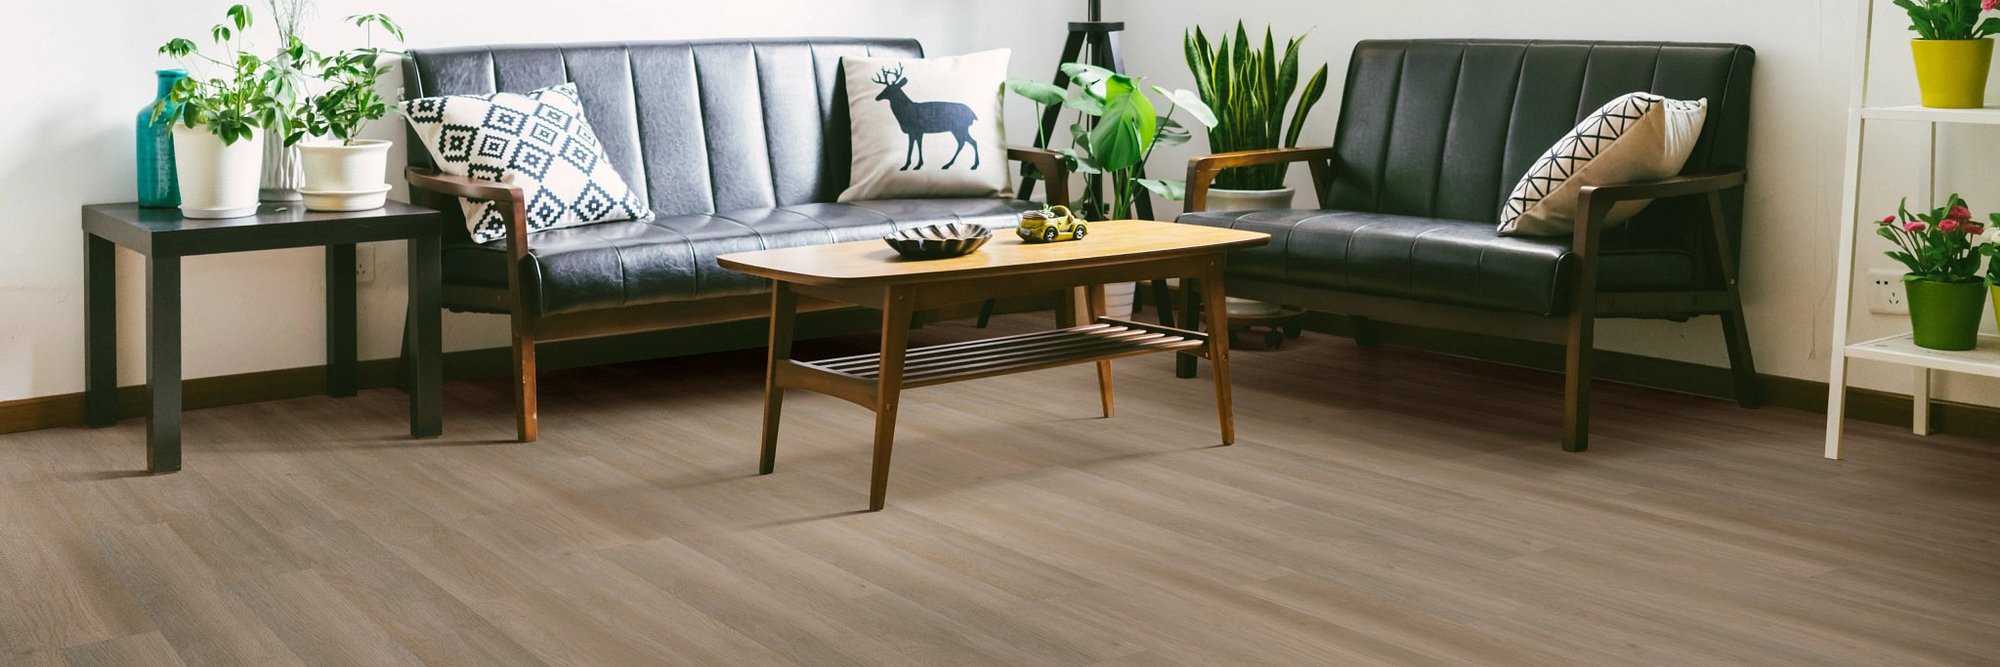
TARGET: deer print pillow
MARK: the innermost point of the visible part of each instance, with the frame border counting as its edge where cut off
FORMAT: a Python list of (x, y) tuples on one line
[(926, 127)]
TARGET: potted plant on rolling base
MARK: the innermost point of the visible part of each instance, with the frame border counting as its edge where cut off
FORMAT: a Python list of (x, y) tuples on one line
[(1953, 50), (1249, 88), (221, 110), (1942, 250), (344, 172)]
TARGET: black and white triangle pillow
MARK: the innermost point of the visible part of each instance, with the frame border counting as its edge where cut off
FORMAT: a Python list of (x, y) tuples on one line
[(538, 141), (1637, 137)]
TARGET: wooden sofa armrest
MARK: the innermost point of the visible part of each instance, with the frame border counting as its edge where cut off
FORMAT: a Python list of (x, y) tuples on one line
[(1050, 167), (1676, 186), (508, 198), (1594, 203), (1202, 170)]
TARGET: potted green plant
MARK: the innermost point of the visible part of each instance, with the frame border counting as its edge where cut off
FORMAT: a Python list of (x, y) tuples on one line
[(1941, 249), (344, 172), (1249, 87), (1988, 241), (1116, 130), (1953, 50), (220, 110)]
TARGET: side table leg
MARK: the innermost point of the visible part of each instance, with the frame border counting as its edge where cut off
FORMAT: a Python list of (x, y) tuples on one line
[(340, 320), (1217, 312), (100, 331), (1094, 300), (784, 313), (888, 388), (422, 331), (163, 363)]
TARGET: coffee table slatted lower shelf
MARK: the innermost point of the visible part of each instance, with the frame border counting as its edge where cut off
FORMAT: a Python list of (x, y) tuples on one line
[(939, 364)]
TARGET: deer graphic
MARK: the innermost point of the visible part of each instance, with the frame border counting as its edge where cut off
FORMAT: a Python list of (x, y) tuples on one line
[(920, 118)]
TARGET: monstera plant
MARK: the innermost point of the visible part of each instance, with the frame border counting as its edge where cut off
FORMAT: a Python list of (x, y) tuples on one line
[(1116, 129)]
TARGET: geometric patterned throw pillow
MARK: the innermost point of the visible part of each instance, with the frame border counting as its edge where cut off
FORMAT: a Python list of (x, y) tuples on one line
[(1636, 137), (539, 142)]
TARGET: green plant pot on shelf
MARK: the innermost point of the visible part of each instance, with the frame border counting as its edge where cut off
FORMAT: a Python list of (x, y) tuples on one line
[(1945, 316)]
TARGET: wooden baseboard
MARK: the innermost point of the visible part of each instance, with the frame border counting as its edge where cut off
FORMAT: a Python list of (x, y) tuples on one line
[(1864, 404), (1689, 378)]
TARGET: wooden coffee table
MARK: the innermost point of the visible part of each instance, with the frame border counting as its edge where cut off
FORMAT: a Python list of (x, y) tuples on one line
[(869, 273)]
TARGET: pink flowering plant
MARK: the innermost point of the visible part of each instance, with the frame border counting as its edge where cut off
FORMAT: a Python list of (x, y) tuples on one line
[(1951, 19), (1942, 246)]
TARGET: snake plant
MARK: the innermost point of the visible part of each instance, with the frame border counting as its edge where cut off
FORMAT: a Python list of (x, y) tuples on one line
[(1249, 88)]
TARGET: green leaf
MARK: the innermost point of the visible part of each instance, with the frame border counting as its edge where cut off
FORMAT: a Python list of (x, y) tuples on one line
[(239, 15), (1041, 92), (1171, 190), (1191, 101), (1086, 75)]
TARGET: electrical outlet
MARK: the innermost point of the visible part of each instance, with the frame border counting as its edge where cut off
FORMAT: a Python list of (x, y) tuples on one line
[(364, 264), (1885, 293)]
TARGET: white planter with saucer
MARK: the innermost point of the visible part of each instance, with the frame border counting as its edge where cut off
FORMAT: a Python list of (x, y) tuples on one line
[(217, 180), (345, 177), (1249, 200)]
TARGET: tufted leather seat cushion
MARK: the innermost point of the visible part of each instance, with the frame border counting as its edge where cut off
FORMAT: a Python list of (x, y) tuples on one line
[(1456, 262), (735, 144), (1433, 135), (672, 257)]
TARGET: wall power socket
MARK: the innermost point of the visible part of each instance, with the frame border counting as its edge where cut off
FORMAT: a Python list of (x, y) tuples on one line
[(1885, 293)]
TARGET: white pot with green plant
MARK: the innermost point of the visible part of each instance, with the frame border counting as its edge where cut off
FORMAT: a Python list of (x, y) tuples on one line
[(1249, 88), (344, 172), (219, 111)]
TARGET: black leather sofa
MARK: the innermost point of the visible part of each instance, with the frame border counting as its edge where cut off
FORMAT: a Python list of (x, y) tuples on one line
[(737, 145), (1432, 137)]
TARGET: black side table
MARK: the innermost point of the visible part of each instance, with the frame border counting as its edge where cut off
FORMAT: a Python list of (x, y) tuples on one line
[(164, 237)]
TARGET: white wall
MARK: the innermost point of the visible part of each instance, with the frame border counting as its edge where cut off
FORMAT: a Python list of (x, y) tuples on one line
[(1805, 52), (67, 141), (87, 70)]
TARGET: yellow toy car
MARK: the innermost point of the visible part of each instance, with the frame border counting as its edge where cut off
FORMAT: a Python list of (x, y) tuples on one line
[(1050, 225)]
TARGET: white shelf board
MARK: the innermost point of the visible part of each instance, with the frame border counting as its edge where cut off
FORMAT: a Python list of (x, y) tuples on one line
[(1922, 114), (1984, 360)]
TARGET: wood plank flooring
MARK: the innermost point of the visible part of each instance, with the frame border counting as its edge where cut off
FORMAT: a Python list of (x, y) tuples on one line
[(1383, 507)]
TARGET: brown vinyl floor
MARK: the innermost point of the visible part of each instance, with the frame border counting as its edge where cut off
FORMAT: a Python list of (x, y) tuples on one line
[(1383, 507)]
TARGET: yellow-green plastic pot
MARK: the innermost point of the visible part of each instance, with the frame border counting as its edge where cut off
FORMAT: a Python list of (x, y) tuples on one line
[(1951, 73), (1945, 316)]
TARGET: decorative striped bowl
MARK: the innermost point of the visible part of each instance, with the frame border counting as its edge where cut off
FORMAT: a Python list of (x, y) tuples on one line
[(939, 241)]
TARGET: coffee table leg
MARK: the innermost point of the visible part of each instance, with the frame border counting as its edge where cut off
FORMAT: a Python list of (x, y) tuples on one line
[(784, 313), (163, 363), (100, 331), (1094, 300), (888, 388), (1216, 310)]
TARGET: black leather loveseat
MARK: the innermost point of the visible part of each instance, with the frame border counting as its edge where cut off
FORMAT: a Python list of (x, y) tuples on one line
[(737, 145), (1433, 135)]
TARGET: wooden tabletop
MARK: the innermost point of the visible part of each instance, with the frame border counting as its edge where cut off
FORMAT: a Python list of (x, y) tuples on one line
[(287, 225), (872, 262)]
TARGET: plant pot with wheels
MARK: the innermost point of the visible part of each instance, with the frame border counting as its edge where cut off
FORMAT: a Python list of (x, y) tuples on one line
[(1945, 315), (1951, 73), (345, 176), (217, 179), (1224, 199)]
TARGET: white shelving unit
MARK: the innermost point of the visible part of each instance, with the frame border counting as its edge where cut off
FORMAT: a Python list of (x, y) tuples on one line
[(1898, 350)]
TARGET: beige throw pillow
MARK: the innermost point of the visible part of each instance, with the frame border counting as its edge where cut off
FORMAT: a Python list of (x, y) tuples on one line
[(1637, 137), (927, 127)]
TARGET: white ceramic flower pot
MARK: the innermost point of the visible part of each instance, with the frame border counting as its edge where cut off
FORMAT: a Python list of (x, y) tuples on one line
[(333, 167), (1249, 200), (1118, 299), (217, 180)]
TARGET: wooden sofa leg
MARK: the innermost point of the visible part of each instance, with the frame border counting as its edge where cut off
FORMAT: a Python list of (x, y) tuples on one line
[(526, 419), (1735, 334), (1364, 331), (1576, 380), (1190, 319)]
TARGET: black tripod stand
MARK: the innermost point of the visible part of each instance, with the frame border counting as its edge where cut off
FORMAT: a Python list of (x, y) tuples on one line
[(1093, 41)]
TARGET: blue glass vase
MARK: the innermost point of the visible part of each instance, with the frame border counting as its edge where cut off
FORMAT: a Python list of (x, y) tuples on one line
[(158, 183)]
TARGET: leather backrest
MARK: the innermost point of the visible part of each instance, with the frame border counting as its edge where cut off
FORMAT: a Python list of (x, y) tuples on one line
[(1445, 128), (693, 126)]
